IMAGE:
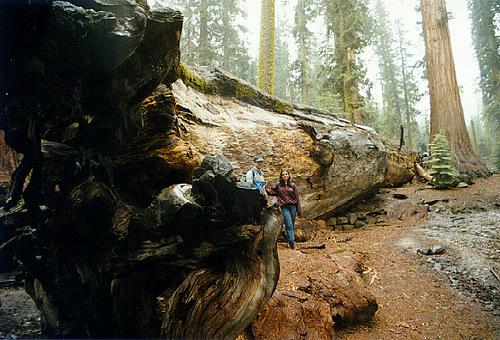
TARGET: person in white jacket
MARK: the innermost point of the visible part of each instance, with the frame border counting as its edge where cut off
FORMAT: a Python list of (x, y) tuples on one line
[(255, 175)]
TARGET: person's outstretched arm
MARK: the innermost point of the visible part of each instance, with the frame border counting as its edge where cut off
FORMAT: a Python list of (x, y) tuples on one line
[(272, 191)]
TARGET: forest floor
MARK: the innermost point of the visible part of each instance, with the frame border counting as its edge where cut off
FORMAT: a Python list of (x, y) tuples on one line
[(450, 296)]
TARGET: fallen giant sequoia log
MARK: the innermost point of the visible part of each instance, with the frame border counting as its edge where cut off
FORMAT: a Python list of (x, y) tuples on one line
[(334, 162), (110, 249)]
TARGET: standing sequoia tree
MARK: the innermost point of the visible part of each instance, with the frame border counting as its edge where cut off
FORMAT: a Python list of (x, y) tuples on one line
[(266, 47), (447, 116)]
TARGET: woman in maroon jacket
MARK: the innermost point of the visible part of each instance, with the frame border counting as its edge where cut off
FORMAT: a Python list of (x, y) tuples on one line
[(289, 202)]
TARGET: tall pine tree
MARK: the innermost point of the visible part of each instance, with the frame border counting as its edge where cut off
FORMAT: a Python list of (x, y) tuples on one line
[(212, 35), (486, 44), (409, 85), (350, 23), (304, 13), (385, 48), (265, 79), (283, 79)]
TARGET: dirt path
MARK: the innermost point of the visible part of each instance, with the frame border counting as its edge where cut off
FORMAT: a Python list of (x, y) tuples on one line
[(449, 296)]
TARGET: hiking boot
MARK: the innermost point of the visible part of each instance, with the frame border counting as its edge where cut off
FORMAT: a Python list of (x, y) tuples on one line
[(293, 246)]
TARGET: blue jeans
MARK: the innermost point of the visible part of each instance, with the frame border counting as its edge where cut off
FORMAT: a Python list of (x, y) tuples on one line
[(289, 212)]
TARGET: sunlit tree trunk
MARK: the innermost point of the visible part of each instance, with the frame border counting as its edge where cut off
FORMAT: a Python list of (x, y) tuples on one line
[(301, 23), (447, 114), (346, 56), (203, 42), (226, 44), (266, 47)]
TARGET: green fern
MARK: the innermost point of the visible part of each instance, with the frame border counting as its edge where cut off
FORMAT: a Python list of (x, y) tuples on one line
[(444, 175)]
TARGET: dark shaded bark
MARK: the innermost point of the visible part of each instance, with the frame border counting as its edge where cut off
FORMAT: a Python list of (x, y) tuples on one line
[(108, 231), (8, 158)]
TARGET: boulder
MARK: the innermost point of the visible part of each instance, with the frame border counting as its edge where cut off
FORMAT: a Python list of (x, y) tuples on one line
[(359, 224), (292, 315), (361, 216), (332, 221), (323, 294), (342, 220), (347, 227), (352, 218)]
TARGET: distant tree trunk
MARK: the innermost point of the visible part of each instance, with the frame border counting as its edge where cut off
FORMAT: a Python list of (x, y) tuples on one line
[(266, 47), (474, 136), (226, 48), (484, 17), (409, 129), (203, 42), (301, 23), (447, 114), (282, 64), (346, 56)]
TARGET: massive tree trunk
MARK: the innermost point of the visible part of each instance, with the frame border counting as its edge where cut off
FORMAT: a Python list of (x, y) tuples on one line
[(447, 116), (113, 243), (266, 47), (334, 162)]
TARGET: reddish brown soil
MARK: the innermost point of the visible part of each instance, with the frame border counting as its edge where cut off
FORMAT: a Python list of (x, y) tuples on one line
[(415, 300)]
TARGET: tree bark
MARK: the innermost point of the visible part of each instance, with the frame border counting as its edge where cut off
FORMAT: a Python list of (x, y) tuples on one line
[(226, 44), (240, 290), (474, 137), (121, 229), (266, 47), (300, 17), (203, 42), (447, 116), (8, 158)]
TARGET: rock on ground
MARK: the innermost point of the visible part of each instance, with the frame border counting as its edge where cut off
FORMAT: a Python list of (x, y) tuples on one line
[(317, 292)]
